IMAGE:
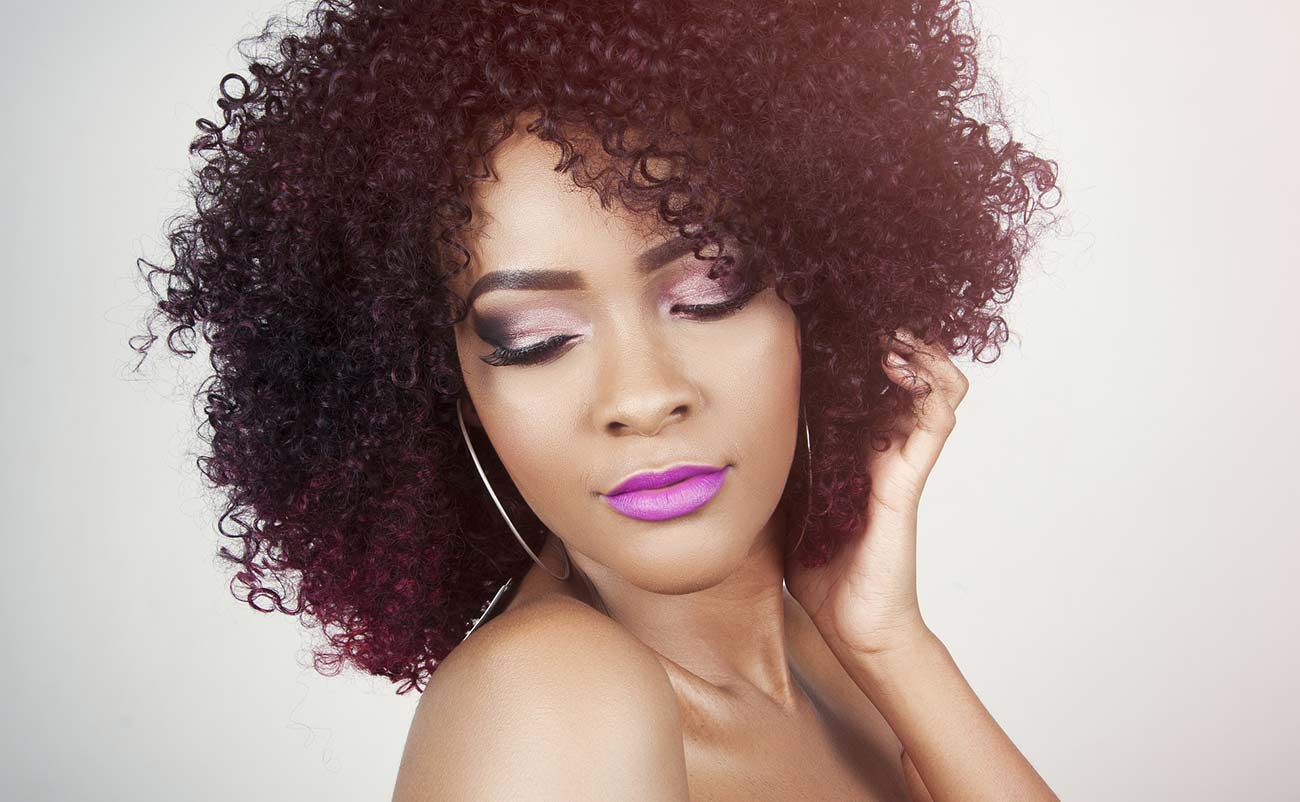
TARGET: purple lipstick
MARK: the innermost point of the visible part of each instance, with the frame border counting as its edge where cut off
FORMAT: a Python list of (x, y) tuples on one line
[(667, 494)]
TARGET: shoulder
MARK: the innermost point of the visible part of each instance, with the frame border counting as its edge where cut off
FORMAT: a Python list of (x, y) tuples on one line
[(550, 700)]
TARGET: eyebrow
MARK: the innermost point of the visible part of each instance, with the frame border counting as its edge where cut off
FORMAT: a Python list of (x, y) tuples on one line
[(648, 261)]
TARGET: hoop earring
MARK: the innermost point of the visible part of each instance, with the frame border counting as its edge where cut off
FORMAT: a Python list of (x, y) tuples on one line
[(563, 551), (807, 439)]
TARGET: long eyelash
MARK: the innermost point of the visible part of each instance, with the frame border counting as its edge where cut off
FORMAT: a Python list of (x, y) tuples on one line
[(528, 354), (537, 352), (714, 311)]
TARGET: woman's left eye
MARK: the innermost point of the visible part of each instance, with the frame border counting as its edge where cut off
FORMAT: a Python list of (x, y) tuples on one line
[(718, 310), (542, 351)]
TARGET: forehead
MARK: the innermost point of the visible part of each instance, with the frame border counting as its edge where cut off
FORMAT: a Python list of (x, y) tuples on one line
[(530, 215)]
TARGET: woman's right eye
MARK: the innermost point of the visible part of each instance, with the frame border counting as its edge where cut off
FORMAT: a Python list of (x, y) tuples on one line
[(528, 355)]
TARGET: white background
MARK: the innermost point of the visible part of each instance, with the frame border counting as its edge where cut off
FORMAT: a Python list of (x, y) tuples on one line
[(1108, 545)]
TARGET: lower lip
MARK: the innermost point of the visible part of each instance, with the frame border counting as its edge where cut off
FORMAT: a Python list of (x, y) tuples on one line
[(672, 501)]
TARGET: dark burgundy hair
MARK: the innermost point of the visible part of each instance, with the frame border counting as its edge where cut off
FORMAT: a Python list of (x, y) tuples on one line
[(836, 141)]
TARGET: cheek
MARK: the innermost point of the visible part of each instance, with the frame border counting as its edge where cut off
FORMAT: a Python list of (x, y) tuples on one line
[(528, 431), (529, 426), (523, 413), (761, 399), (754, 371)]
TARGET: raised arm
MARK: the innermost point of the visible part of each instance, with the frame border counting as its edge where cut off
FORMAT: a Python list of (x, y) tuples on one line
[(956, 750), (865, 606)]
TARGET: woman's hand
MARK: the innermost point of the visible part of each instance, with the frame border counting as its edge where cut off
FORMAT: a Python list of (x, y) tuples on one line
[(864, 600)]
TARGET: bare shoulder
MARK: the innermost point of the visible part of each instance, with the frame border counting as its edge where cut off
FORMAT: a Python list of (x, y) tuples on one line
[(548, 701)]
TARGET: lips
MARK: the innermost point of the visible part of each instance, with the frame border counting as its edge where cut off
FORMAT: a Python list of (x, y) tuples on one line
[(649, 480), (667, 494)]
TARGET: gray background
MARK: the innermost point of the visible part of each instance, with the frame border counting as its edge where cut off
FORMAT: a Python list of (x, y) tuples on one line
[(1107, 545)]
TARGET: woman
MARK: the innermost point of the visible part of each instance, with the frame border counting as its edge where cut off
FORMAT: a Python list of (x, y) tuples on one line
[(582, 366)]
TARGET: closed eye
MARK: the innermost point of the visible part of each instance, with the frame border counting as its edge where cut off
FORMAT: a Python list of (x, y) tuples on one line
[(541, 352)]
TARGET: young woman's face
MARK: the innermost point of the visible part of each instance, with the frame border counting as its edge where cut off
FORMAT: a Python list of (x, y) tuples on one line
[(631, 381)]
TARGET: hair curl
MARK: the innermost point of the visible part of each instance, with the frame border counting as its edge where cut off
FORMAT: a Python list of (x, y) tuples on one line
[(839, 148)]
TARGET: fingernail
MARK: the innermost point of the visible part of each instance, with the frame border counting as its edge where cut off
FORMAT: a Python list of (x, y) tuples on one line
[(895, 359)]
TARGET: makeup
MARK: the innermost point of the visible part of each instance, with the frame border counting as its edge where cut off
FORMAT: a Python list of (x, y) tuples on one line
[(668, 494)]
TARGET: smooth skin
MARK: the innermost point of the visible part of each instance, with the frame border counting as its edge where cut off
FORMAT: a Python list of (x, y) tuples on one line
[(864, 604), (674, 666)]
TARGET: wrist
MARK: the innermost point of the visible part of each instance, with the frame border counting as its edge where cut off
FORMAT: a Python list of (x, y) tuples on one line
[(902, 634), (896, 659)]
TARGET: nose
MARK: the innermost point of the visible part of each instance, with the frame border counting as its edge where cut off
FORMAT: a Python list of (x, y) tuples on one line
[(643, 389)]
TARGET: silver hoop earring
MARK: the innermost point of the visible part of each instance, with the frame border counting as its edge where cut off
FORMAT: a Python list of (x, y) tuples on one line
[(807, 439), (563, 551)]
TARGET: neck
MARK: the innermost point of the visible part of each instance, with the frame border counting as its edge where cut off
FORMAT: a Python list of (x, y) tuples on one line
[(732, 634)]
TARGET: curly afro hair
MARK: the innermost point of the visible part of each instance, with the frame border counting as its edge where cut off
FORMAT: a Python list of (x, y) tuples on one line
[(835, 140)]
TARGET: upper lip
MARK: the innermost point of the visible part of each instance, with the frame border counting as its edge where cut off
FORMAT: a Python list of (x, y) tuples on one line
[(647, 480)]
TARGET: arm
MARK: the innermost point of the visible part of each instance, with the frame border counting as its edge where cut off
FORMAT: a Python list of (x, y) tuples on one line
[(954, 751), (864, 603)]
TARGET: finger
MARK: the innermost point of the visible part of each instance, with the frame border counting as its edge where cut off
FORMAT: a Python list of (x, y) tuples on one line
[(946, 376), (933, 418)]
